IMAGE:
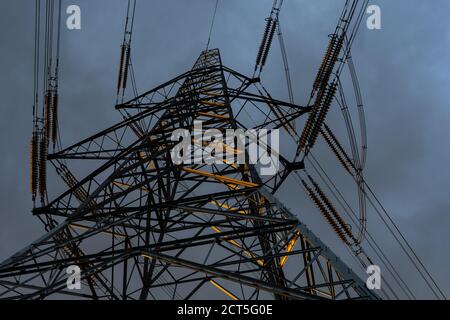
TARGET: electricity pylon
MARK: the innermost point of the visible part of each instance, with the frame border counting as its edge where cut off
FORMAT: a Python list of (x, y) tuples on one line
[(140, 227)]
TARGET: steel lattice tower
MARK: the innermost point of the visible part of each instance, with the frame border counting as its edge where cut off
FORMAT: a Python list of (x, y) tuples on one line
[(141, 227)]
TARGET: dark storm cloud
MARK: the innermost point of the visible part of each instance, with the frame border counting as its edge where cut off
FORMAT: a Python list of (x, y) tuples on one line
[(403, 70)]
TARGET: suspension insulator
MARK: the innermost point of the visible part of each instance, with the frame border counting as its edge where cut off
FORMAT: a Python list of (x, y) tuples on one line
[(330, 60), (43, 166), (122, 61), (47, 99), (268, 44), (34, 154), (323, 112), (325, 62), (127, 66), (311, 119), (306, 132), (333, 59), (341, 223), (337, 149), (47, 114), (339, 46), (54, 119), (80, 193), (326, 214), (263, 42)]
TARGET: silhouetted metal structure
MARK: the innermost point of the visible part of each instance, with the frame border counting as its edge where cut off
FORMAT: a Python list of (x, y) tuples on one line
[(141, 227)]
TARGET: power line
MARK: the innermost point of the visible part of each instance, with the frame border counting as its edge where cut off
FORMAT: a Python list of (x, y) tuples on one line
[(212, 25)]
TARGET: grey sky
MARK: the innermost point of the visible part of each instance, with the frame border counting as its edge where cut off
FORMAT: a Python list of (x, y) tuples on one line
[(403, 71)]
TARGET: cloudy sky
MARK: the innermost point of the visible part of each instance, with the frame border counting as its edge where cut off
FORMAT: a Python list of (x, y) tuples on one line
[(403, 71)]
